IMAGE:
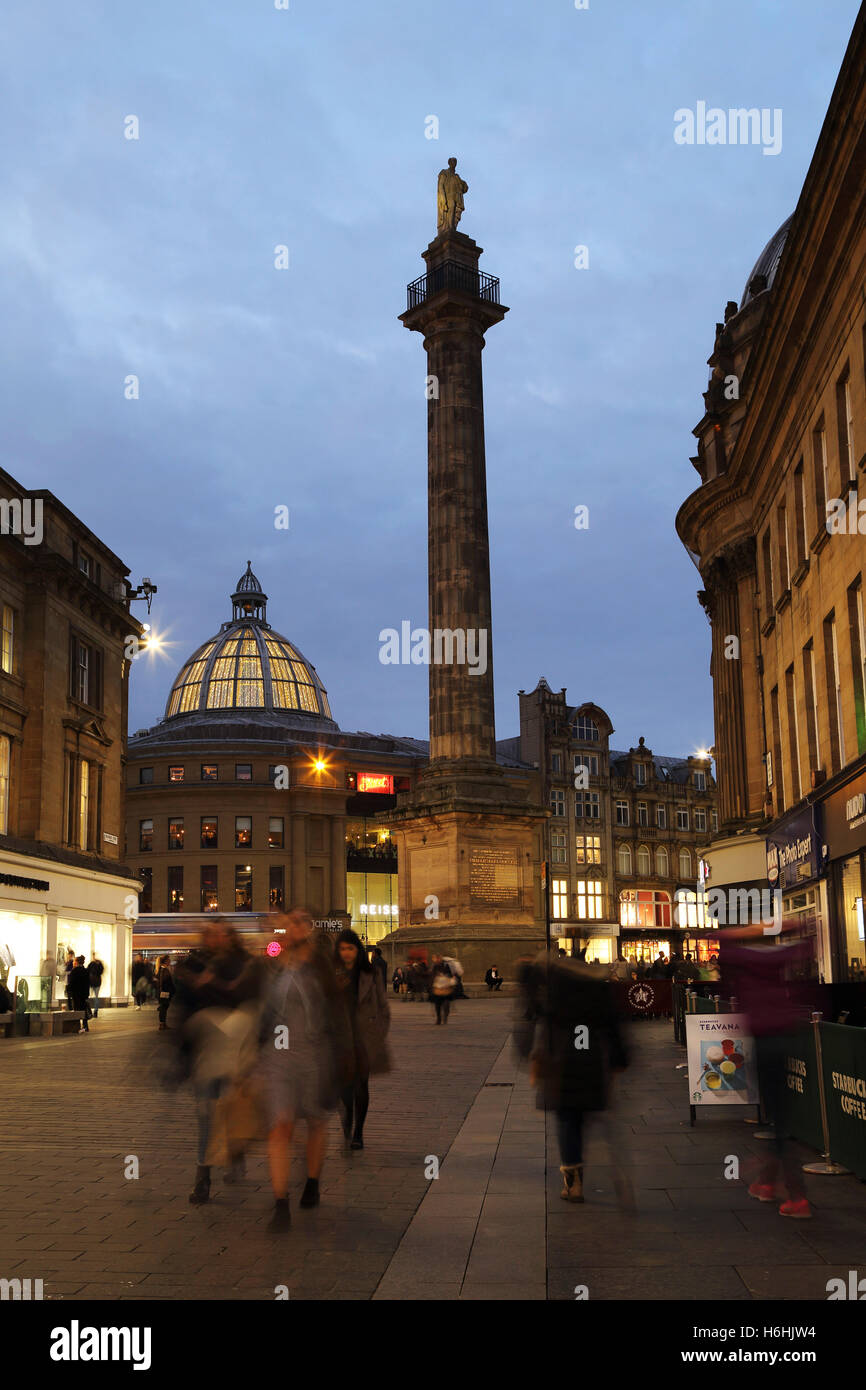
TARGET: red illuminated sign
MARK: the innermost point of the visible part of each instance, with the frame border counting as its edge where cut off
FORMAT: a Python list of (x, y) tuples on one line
[(273, 948), (375, 782)]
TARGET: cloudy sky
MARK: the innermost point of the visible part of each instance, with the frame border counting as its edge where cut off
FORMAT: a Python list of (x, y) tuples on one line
[(262, 387)]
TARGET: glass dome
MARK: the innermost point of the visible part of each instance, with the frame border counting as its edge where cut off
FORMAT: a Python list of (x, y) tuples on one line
[(248, 666)]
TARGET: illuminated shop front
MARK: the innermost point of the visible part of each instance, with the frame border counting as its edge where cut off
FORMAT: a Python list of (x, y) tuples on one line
[(845, 836)]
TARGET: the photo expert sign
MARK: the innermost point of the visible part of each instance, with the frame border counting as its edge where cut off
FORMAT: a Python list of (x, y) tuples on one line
[(721, 1059)]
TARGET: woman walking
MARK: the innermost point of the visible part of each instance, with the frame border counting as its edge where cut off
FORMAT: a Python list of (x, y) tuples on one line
[(165, 989), (370, 1018), (305, 1059)]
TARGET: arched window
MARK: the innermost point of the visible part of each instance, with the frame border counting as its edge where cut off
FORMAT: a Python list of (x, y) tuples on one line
[(662, 862), (623, 859), (685, 863), (644, 908), (644, 863)]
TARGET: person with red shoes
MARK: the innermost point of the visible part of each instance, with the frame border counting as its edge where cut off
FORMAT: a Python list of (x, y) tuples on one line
[(757, 966)]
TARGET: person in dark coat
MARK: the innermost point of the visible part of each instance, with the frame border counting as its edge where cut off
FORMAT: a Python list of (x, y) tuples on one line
[(68, 967), (366, 999), (142, 974), (493, 979), (575, 1047), (95, 971), (442, 983), (378, 963), (79, 989), (165, 989)]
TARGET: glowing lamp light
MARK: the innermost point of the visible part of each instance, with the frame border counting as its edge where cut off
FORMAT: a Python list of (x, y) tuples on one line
[(274, 948), (319, 765)]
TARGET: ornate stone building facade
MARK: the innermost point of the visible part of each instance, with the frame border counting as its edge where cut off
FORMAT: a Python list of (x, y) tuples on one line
[(624, 833), (64, 672), (775, 530)]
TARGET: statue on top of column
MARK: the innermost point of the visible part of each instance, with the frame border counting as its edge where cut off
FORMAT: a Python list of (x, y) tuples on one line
[(449, 197)]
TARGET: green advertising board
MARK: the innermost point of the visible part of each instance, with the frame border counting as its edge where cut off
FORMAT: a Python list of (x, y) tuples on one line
[(802, 1112), (844, 1056)]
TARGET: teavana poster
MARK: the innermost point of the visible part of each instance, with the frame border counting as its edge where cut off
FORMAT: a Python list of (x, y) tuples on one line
[(721, 1059)]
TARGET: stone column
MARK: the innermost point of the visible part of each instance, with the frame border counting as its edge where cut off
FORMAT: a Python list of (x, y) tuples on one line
[(338, 865), (722, 602), (453, 317), (299, 861)]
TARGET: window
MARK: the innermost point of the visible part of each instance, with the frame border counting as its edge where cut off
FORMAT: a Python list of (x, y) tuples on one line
[(587, 806), (845, 422), (685, 863), (858, 659), (801, 539), (661, 817), (243, 772), (700, 818), (559, 897), (276, 887), (175, 832), (589, 900), (622, 816), (85, 563), (209, 772), (782, 538), (690, 912), (585, 730), (588, 761), (243, 888), (209, 894), (644, 864), (623, 860), (209, 832), (812, 730), (85, 672), (556, 763), (145, 776), (767, 557), (644, 907), (793, 734), (662, 862), (558, 849), (641, 816), (145, 836), (682, 818), (700, 781), (8, 650), (243, 832), (175, 774), (776, 733), (84, 805), (145, 897), (557, 803), (834, 694), (714, 822), (275, 832), (5, 759), (640, 774), (819, 464), (175, 888), (588, 849)]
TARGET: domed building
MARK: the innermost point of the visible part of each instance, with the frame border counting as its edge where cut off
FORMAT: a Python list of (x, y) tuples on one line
[(247, 796), (779, 538)]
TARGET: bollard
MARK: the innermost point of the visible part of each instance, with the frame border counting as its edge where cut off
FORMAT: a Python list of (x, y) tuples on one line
[(825, 1164)]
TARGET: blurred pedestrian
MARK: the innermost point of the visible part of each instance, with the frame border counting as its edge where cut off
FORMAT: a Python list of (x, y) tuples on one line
[(378, 963), (576, 1046), (95, 971), (398, 980), (370, 1018), (218, 988), (306, 1059), (457, 972), (165, 989), (68, 967), (79, 989), (46, 982), (441, 987), (142, 973)]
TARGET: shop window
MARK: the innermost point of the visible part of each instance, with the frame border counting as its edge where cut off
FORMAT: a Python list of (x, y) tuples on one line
[(175, 888), (276, 833), (175, 832), (209, 893), (145, 836)]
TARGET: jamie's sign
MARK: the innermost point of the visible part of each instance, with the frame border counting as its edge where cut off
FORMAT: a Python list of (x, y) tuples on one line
[(375, 782)]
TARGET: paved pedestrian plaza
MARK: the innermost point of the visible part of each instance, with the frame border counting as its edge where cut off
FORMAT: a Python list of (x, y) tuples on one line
[(490, 1226)]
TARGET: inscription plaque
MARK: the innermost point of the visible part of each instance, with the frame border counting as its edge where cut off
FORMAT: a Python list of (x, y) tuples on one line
[(494, 876)]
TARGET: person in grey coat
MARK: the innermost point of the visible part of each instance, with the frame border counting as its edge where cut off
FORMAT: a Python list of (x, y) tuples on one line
[(363, 990)]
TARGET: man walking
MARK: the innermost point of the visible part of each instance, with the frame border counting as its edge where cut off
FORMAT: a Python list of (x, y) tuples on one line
[(442, 987), (79, 988), (95, 971)]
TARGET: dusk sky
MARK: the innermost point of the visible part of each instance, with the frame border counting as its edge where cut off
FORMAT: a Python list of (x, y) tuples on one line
[(263, 387)]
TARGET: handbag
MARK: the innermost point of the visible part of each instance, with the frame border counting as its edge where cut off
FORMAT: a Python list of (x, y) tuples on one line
[(165, 994), (237, 1118)]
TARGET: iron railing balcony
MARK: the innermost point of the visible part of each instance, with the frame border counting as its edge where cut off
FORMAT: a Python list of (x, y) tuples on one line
[(452, 275)]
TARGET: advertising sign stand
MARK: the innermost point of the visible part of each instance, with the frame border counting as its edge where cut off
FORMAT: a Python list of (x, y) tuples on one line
[(825, 1164)]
